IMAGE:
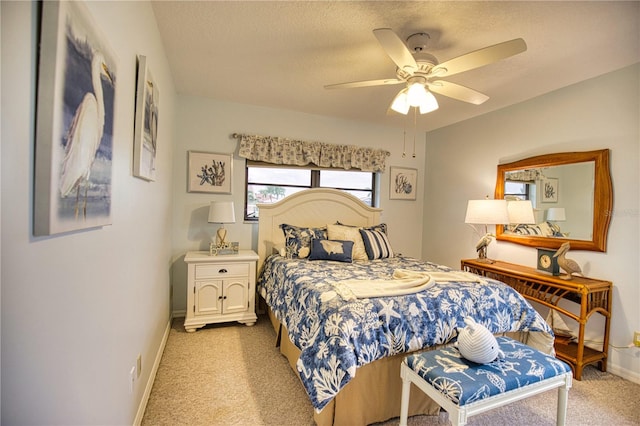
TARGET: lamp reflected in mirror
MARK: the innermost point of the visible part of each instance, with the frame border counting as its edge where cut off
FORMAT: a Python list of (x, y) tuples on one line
[(520, 213), (556, 214)]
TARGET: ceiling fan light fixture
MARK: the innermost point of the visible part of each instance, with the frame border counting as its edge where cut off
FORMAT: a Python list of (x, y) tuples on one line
[(429, 104), (400, 103), (417, 94)]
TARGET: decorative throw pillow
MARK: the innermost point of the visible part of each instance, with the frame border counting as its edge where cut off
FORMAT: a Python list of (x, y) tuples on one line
[(340, 251), (298, 239), (545, 229), (380, 227), (348, 233), (376, 244)]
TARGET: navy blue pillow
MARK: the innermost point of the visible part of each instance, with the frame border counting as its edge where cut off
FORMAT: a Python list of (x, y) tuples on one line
[(337, 250), (298, 239)]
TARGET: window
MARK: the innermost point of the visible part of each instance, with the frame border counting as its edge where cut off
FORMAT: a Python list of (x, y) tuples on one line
[(521, 190), (269, 183)]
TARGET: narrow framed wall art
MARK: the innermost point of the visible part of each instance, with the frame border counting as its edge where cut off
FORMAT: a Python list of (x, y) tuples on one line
[(75, 122), (550, 190), (146, 123)]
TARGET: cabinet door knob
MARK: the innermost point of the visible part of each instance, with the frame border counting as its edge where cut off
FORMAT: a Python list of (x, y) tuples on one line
[(222, 271)]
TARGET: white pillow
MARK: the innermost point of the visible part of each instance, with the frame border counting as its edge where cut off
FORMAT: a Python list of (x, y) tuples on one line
[(349, 233), (545, 229)]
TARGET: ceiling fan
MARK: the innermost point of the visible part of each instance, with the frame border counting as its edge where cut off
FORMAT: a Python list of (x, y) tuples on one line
[(421, 72)]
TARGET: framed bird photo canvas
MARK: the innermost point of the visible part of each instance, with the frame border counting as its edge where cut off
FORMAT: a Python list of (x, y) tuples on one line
[(209, 172), (146, 123), (74, 122)]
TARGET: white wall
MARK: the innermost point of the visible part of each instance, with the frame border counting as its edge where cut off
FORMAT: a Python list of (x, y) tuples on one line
[(599, 113), (78, 308), (207, 125)]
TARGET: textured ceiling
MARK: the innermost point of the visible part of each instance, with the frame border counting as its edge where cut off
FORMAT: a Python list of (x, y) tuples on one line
[(281, 54)]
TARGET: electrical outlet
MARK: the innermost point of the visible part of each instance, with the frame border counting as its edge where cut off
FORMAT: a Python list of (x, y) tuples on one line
[(139, 365), (636, 338), (132, 378)]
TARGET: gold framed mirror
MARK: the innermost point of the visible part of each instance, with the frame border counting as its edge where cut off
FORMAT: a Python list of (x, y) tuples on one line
[(571, 195)]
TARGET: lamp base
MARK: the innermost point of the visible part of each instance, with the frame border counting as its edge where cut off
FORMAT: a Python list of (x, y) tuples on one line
[(221, 235), (482, 254)]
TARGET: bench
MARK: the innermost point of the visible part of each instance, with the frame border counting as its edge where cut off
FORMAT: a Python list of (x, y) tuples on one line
[(464, 388)]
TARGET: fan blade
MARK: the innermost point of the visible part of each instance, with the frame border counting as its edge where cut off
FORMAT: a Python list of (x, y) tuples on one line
[(365, 83), (456, 91), (480, 58), (396, 49)]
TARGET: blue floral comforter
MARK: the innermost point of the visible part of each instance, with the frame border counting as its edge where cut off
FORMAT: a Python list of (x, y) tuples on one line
[(337, 333)]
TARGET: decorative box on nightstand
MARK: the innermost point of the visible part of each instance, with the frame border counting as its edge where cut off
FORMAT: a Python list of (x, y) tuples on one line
[(220, 288)]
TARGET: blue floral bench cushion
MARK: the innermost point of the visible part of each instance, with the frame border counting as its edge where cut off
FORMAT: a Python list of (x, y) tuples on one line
[(464, 381)]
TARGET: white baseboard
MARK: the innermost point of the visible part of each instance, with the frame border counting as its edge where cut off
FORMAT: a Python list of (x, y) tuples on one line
[(152, 376), (179, 314), (632, 376)]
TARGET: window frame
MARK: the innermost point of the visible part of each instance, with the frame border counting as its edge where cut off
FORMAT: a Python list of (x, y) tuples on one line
[(314, 181)]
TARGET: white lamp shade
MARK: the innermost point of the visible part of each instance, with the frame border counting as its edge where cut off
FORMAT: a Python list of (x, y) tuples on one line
[(222, 212), (487, 212), (429, 103), (401, 103), (417, 94), (520, 212), (556, 214)]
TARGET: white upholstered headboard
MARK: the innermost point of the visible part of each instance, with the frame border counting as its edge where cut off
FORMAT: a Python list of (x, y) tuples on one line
[(310, 208)]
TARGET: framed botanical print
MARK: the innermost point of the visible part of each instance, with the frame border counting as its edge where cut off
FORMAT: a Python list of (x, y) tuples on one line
[(550, 190), (402, 184), (209, 172), (75, 122)]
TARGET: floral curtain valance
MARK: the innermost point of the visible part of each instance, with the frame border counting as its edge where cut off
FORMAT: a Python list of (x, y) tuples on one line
[(277, 150), (528, 175)]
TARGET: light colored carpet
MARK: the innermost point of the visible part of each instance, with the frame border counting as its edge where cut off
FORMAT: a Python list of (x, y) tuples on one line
[(231, 374)]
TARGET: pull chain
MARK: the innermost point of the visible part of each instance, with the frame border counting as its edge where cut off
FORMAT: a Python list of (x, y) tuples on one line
[(404, 140), (415, 115)]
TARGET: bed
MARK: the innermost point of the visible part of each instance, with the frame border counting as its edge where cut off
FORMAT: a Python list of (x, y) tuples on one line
[(345, 344)]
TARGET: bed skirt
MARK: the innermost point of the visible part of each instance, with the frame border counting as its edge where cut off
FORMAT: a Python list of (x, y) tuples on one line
[(374, 394)]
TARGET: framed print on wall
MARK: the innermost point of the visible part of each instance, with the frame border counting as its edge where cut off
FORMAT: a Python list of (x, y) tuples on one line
[(550, 190), (402, 183), (146, 123), (74, 124), (209, 172)]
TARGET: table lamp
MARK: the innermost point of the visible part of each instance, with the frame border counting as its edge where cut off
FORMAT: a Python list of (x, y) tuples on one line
[(221, 212), (486, 212)]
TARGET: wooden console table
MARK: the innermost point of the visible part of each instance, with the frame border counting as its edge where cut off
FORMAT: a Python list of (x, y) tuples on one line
[(592, 295)]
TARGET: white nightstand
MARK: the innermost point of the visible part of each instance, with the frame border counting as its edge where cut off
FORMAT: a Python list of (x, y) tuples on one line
[(220, 288)]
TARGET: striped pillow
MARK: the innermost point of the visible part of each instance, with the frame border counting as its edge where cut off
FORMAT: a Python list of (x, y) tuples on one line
[(376, 244)]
